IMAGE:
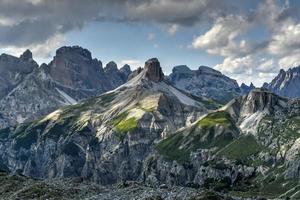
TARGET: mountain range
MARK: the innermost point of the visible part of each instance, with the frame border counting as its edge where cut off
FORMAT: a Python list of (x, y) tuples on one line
[(29, 91), (194, 129)]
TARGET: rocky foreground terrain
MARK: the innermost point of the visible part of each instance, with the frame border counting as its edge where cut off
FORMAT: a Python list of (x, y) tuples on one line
[(15, 187)]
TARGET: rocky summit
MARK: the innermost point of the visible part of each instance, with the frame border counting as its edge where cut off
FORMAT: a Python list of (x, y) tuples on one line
[(286, 83), (245, 89), (153, 70), (205, 82), (29, 91)]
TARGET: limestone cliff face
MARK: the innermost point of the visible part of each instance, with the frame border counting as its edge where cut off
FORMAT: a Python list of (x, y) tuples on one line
[(74, 67)]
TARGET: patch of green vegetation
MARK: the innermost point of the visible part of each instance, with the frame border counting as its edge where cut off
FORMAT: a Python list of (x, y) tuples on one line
[(127, 125), (242, 148), (170, 148), (124, 125), (203, 135), (211, 104), (210, 139), (216, 118)]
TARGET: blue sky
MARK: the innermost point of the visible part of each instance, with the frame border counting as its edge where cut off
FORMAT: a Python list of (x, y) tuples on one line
[(248, 40), (138, 42)]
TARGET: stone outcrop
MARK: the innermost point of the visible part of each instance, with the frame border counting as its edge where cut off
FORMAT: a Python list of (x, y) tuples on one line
[(153, 70)]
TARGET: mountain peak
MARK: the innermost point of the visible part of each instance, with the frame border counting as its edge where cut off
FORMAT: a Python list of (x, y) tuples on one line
[(153, 70), (260, 99), (27, 55), (74, 50), (111, 66), (286, 83), (181, 69), (208, 70)]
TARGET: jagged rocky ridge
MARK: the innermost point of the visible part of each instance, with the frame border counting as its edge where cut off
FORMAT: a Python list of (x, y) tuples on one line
[(28, 91), (105, 139), (245, 89), (205, 82), (148, 131), (286, 83)]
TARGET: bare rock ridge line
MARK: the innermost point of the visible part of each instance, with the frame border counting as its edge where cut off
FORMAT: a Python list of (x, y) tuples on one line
[(286, 83)]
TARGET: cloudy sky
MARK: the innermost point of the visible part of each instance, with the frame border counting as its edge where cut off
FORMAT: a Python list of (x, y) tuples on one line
[(249, 40)]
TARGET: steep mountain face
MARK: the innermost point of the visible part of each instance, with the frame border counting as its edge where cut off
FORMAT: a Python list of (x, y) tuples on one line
[(245, 89), (107, 138), (249, 147), (31, 91), (205, 82), (117, 77), (286, 83), (13, 70)]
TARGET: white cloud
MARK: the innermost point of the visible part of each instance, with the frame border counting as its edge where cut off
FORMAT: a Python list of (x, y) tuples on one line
[(172, 30), (42, 50), (132, 62), (236, 65), (286, 41), (221, 38), (151, 36), (249, 69), (266, 65), (255, 55), (290, 61)]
